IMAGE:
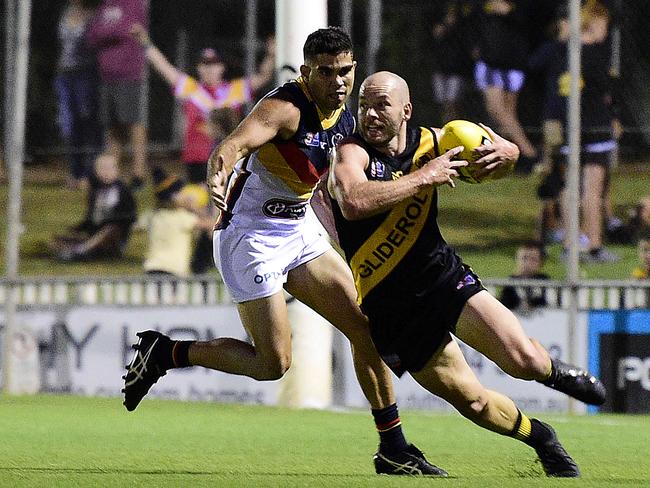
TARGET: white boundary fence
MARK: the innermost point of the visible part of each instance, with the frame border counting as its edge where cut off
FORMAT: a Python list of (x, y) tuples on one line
[(146, 290), (74, 336)]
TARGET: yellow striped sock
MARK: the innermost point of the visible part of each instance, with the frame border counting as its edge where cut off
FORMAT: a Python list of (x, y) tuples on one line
[(524, 429)]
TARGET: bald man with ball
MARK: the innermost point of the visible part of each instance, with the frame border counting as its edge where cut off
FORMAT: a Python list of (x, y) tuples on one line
[(416, 291)]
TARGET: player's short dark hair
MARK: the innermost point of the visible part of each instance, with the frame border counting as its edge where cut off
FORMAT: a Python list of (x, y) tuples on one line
[(330, 40)]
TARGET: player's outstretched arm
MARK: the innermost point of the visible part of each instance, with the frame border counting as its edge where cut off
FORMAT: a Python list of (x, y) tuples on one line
[(499, 157), (269, 119), (360, 198)]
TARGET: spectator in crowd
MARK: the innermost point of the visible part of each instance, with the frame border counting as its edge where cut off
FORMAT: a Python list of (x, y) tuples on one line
[(599, 122), (453, 63), (529, 262), (641, 220), (111, 212), (173, 226), (503, 52), (212, 104), (642, 271), (76, 87), (122, 71), (637, 225)]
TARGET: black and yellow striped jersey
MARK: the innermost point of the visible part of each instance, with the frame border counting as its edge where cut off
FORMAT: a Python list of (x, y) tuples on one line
[(398, 252)]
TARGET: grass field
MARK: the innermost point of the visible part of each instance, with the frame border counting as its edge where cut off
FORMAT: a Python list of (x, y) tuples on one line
[(50, 441), (485, 222)]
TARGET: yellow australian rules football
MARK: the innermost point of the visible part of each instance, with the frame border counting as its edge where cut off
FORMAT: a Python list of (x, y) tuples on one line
[(470, 136)]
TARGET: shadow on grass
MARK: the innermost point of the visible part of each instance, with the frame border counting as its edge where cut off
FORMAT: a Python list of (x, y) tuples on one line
[(167, 472)]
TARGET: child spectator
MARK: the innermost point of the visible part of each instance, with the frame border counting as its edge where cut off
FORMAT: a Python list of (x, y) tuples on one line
[(212, 105), (172, 227), (529, 261), (637, 225), (110, 215)]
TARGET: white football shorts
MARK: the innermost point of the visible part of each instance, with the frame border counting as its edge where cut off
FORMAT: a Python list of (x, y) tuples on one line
[(254, 263)]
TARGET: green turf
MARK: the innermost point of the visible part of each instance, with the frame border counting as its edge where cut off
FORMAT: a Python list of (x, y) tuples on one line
[(484, 222), (71, 441)]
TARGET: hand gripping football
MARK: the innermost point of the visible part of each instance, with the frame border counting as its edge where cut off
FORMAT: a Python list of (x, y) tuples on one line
[(470, 136)]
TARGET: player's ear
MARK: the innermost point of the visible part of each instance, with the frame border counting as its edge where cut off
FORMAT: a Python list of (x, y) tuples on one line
[(305, 70), (408, 110)]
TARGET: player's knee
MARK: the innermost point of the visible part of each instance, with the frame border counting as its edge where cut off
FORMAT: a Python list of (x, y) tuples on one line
[(275, 369), (474, 407)]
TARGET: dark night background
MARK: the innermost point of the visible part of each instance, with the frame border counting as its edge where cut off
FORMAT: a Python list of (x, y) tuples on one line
[(406, 49)]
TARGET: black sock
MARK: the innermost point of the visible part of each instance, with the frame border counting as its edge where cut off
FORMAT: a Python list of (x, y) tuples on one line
[(389, 426), (539, 433), (180, 354)]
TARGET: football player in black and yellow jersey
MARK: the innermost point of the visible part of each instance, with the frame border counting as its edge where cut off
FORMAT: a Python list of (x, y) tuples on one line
[(262, 177), (415, 290)]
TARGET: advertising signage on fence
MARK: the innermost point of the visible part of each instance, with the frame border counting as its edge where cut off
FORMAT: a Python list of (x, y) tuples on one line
[(84, 351), (549, 326), (620, 351)]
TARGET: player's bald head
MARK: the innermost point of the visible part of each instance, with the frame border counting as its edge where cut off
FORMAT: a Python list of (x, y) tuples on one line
[(389, 82)]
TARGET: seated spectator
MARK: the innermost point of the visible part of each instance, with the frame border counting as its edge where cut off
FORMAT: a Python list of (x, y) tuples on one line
[(638, 224), (111, 212), (202, 256), (642, 272), (173, 226), (529, 261)]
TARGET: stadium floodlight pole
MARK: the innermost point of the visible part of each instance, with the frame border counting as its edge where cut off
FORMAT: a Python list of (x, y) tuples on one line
[(373, 39), (573, 176), (250, 42), (15, 155)]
